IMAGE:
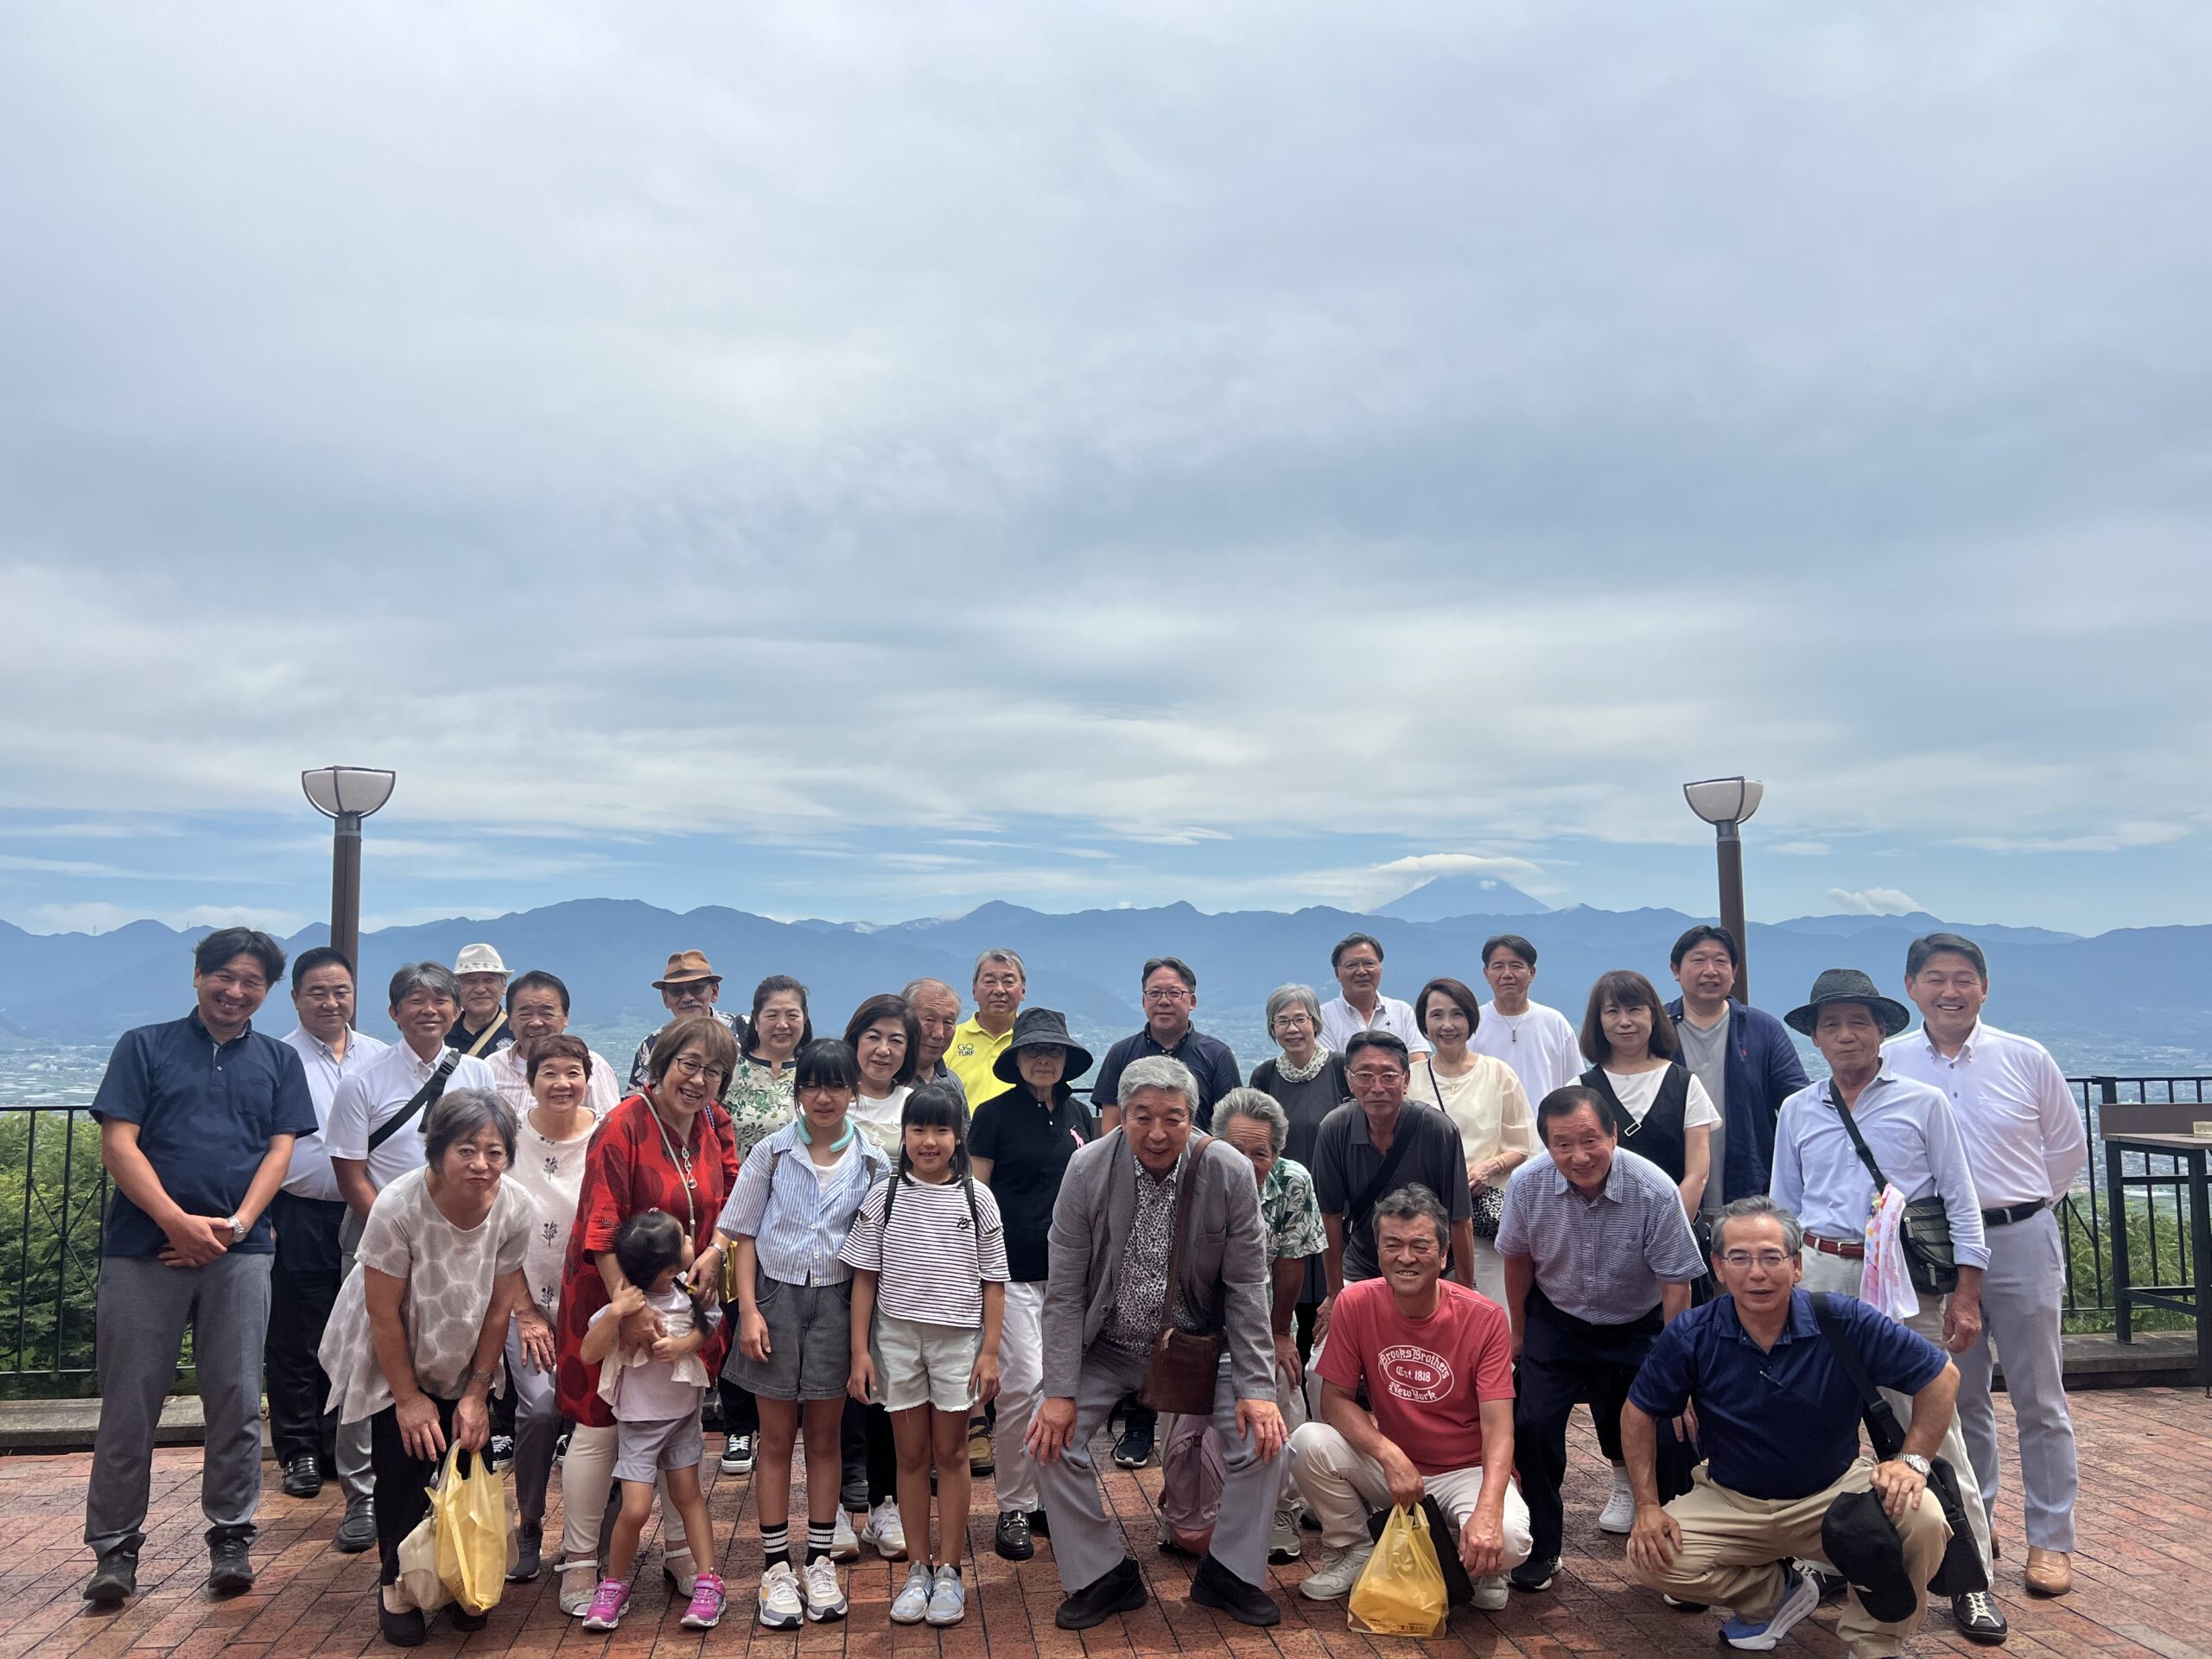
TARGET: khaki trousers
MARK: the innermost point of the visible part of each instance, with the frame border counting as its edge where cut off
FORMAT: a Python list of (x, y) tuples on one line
[(1733, 1548), (1839, 1275)]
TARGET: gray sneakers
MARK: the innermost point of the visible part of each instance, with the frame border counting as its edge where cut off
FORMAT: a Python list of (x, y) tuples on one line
[(949, 1598), (1337, 1572), (912, 1605)]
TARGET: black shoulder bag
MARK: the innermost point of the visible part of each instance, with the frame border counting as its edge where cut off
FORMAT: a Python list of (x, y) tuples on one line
[(423, 1096), (1959, 1571), (1926, 1233)]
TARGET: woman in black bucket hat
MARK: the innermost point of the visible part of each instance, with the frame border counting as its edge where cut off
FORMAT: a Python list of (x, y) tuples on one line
[(1021, 1142)]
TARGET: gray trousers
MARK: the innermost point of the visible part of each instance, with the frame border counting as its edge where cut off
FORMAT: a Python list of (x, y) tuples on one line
[(1087, 1543), (353, 1458), (537, 1427), (143, 1309), (2021, 1296), (1840, 1277)]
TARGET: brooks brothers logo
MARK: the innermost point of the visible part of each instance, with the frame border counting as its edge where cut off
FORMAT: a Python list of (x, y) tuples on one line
[(1416, 1375)]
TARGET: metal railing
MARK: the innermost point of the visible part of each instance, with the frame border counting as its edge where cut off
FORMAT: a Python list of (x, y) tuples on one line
[(53, 1190)]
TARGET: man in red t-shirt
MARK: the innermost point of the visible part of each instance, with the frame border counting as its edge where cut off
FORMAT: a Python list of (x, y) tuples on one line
[(1436, 1360)]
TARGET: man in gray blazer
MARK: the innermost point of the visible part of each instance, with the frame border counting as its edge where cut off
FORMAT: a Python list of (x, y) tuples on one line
[(1105, 1306)]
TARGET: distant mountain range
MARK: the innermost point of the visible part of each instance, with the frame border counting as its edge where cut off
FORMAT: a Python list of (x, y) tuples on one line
[(2133, 1000)]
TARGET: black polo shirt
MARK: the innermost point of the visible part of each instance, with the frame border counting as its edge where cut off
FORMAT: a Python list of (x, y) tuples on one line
[(1211, 1062), (1345, 1160), (206, 1112), (1029, 1146)]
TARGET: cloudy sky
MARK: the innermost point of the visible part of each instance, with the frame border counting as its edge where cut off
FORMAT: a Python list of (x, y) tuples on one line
[(858, 461)]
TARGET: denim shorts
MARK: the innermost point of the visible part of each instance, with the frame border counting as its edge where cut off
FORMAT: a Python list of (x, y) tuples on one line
[(809, 1343)]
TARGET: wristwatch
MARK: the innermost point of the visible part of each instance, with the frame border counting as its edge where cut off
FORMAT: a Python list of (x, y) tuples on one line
[(239, 1230), (1915, 1462)]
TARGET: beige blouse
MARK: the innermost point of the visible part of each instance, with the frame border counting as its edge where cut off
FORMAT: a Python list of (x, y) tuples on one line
[(1487, 1102)]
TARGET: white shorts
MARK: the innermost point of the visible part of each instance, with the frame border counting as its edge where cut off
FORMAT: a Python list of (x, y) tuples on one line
[(918, 1365)]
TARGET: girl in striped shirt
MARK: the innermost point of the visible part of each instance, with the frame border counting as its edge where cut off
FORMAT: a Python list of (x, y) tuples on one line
[(928, 1255)]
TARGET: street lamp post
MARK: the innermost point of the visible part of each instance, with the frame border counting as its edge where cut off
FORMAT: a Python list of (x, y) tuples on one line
[(1726, 803), (345, 795)]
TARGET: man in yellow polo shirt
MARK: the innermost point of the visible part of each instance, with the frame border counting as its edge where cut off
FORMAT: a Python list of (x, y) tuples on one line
[(1001, 983)]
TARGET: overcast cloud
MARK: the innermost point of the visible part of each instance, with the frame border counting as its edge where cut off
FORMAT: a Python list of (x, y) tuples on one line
[(861, 460)]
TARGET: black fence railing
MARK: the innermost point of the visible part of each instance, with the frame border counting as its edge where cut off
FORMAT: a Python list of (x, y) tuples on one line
[(53, 1190)]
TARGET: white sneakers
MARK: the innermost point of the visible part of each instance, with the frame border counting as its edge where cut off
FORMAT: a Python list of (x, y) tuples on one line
[(781, 1607), (1619, 1512), (885, 1530), (1492, 1593), (825, 1599), (844, 1542), (1338, 1572)]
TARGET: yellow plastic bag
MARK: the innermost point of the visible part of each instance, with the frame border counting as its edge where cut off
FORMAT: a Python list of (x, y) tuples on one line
[(469, 1516), (1400, 1590)]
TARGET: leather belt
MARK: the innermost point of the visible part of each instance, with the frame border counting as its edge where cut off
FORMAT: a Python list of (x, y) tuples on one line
[(2012, 1212), (1852, 1250)]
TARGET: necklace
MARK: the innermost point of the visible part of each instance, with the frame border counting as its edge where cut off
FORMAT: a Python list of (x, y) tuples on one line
[(1305, 1073), (681, 1157), (1512, 1021)]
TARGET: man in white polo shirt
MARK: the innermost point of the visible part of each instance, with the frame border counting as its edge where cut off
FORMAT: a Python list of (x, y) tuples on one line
[(1357, 963), (309, 1218), (374, 1134), (2024, 1143)]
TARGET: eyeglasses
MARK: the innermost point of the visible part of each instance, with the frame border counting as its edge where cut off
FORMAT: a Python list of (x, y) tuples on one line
[(1769, 1260), (1165, 993), (1292, 1022), (692, 1066), (1367, 1075)]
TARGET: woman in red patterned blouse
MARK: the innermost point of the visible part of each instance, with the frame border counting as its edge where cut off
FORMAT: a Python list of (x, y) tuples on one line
[(669, 1148)]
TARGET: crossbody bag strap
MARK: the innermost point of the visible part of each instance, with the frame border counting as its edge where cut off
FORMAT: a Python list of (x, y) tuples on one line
[(1866, 1152), (1185, 1184), (476, 1048), (1372, 1194), (423, 1096), (1882, 1426)]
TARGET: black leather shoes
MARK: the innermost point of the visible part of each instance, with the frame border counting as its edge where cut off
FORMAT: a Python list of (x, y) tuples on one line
[(301, 1478), (1120, 1590), (465, 1620), (229, 1566), (1013, 1535), (115, 1580), (1214, 1586)]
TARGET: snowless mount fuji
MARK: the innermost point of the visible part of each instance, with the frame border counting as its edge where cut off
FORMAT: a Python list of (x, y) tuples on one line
[(2132, 1000)]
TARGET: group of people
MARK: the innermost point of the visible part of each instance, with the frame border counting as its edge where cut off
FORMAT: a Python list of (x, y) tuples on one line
[(1384, 1271)]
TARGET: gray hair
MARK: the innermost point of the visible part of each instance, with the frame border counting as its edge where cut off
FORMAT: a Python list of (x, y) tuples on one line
[(1258, 1105), (460, 1113), (918, 987), (1011, 958), (1159, 1072), (1410, 1203), (424, 976), (1752, 1206), (1294, 997)]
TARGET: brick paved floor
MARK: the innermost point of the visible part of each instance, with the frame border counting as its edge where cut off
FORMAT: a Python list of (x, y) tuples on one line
[(2144, 1573)]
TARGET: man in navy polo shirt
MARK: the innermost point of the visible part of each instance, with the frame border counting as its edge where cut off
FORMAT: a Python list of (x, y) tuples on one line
[(197, 1119), (1778, 1418)]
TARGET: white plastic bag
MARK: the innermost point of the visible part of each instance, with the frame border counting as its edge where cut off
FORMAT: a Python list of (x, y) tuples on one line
[(1886, 1282)]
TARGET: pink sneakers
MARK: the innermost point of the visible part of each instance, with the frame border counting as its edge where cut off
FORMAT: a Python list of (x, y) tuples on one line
[(608, 1603), (706, 1603)]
